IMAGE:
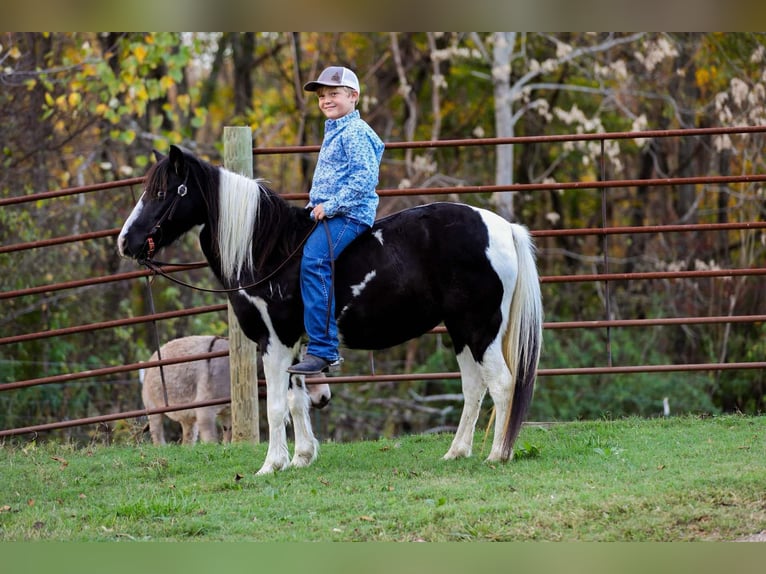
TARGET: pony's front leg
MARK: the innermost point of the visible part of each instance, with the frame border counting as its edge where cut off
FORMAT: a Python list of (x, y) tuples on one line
[(306, 445), (275, 364)]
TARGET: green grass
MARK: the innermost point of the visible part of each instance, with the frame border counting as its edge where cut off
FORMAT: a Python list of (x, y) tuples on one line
[(626, 480)]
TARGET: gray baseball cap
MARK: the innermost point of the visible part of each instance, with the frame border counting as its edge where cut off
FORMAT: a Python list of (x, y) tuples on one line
[(334, 76)]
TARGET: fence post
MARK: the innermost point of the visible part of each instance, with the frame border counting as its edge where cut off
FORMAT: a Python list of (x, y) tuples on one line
[(238, 157)]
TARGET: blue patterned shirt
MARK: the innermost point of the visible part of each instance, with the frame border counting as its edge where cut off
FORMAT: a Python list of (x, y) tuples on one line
[(347, 169)]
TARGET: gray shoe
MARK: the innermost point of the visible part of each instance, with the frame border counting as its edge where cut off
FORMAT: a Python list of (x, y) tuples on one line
[(310, 365)]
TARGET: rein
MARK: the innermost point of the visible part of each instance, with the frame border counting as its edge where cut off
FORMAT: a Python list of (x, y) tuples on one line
[(154, 267)]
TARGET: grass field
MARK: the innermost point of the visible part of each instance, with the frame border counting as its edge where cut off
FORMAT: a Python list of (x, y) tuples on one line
[(675, 479)]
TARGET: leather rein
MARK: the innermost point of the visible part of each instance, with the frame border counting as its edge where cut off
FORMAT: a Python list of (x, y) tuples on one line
[(156, 266)]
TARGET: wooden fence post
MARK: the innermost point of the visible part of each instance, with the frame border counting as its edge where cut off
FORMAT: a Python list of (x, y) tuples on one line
[(238, 157)]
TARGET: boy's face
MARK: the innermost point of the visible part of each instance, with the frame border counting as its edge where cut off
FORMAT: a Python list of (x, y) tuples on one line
[(336, 102)]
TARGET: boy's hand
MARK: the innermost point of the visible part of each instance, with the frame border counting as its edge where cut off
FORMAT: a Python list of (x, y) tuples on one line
[(318, 212)]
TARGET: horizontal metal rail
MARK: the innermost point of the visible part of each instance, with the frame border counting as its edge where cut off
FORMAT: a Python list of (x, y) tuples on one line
[(59, 240), (71, 377), (97, 280), (105, 371), (390, 379), (111, 417), (687, 227), (111, 324), (200, 264), (4, 201), (545, 279), (754, 271), (648, 134)]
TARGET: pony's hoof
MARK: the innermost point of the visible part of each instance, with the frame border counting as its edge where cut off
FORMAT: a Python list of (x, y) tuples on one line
[(272, 467), (302, 460), (453, 454), (266, 469), (499, 457)]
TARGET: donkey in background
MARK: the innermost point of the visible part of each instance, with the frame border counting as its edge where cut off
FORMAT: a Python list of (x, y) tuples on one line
[(190, 382), (197, 381)]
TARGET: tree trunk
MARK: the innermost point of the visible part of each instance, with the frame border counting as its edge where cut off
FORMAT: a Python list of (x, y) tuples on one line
[(501, 80)]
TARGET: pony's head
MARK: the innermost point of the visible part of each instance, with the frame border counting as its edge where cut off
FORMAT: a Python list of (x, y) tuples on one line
[(172, 203)]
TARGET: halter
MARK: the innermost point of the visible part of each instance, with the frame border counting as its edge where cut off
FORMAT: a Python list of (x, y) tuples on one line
[(167, 215)]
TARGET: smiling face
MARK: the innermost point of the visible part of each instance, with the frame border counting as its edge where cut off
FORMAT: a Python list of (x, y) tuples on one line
[(336, 101)]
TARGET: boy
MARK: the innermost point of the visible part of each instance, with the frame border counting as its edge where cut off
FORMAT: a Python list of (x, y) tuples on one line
[(342, 198)]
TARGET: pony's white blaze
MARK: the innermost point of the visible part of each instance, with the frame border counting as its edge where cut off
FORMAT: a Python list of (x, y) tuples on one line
[(239, 200), (134, 214), (378, 234), (359, 287)]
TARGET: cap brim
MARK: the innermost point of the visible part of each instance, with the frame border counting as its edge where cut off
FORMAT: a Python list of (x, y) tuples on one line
[(313, 86)]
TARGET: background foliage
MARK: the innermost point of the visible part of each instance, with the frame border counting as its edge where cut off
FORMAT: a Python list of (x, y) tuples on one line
[(81, 108)]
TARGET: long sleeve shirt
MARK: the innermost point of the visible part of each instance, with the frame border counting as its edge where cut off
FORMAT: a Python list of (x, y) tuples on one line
[(347, 169)]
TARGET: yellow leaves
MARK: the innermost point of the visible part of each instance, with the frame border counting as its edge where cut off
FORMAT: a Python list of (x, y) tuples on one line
[(166, 82), (68, 103), (704, 76), (183, 101), (140, 93), (140, 53), (64, 179)]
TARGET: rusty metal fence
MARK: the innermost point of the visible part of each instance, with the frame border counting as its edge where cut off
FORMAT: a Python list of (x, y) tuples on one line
[(606, 278)]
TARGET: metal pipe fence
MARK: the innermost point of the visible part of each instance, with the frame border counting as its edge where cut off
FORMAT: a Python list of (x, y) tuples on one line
[(605, 277)]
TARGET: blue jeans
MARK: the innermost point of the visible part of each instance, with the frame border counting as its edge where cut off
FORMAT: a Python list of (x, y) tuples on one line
[(316, 283)]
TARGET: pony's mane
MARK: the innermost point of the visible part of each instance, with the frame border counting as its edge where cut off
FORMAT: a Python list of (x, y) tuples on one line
[(239, 202)]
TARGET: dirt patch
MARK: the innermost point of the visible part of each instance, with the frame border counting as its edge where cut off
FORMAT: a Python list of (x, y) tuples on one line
[(760, 537)]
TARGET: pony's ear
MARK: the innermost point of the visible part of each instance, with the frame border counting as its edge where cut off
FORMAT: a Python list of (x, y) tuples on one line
[(177, 159), (158, 155)]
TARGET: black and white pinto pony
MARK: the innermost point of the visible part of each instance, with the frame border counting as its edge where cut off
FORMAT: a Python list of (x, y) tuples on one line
[(440, 262)]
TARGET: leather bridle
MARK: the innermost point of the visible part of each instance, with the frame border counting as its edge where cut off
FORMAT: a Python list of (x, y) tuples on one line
[(166, 216)]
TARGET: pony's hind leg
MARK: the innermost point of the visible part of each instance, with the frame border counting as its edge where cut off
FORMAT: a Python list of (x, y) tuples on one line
[(497, 376), (306, 445), (474, 389)]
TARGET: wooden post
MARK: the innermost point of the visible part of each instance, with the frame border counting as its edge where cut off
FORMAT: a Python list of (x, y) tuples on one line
[(238, 157)]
